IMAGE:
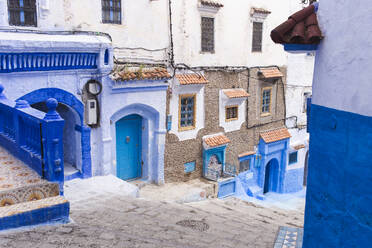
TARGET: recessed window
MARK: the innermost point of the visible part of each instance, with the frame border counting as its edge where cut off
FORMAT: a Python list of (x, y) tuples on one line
[(22, 12), (207, 34), (187, 107), (231, 113), (257, 37), (245, 165), (304, 106), (292, 158), (111, 11), (266, 100)]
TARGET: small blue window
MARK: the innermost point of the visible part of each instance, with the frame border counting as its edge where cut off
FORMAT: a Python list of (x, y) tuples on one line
[(293, 157), (245, 165), (189, 167), (107, 53)]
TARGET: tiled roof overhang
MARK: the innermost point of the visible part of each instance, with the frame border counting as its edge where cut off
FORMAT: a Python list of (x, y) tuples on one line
[(217, 140), (210, 3), (235, 93), (246, 154), (271, 72), (300, 28), (122, 73), (275, 135), (187, 79)]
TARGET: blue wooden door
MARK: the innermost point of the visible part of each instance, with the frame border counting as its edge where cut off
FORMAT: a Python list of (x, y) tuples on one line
[(128, 147)]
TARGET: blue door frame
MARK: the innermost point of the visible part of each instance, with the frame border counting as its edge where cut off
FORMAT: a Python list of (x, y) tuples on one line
[(128, 147), (271, 176)]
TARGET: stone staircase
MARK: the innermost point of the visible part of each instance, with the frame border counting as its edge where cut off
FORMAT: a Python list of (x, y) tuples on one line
[(25, 198)]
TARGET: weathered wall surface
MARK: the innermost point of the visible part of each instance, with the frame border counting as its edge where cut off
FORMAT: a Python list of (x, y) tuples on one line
[(233, 33), (338, 209), (243, 140)]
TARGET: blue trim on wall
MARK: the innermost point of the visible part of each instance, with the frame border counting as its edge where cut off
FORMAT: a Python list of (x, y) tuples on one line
[(70, 100), (21, 62), (300, 47), (57, 213), (339, 184)]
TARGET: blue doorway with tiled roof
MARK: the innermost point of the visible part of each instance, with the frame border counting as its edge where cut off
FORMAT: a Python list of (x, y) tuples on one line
[(128, 147)]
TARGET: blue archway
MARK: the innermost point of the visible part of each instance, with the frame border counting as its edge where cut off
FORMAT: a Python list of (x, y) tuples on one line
[(68, 99), (271, 176)]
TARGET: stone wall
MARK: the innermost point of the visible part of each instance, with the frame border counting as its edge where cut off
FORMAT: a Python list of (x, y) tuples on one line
[(178, 153)]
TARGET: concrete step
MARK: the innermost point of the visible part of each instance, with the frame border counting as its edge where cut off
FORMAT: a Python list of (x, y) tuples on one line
[(48, 210)]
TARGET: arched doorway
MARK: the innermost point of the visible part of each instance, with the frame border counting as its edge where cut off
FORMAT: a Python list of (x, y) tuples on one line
[(71, 109), (71, 137), (306, 168), (271, 176), (129, 147)]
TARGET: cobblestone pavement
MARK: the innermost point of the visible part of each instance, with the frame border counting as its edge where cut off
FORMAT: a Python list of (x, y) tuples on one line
[(118, 221)]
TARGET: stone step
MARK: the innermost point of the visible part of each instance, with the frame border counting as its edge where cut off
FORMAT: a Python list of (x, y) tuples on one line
[(30, 192), (48, 210)]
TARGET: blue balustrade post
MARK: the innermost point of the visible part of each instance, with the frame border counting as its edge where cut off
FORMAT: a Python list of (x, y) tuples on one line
[(52, 137)]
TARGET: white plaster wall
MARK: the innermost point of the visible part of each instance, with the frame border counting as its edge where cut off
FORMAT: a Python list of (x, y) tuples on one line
[(299, 137), (174, 110), (145, 23), (342, 78), (233, 33), (224, 101), (299, 80)]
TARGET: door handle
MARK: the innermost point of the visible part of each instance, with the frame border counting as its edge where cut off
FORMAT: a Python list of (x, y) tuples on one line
[(127, 139)]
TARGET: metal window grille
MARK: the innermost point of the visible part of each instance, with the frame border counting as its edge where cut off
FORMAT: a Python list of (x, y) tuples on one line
[(231, 113), (292, 158), (22, 12), (257, 37), (111, 11), (207, 35), (187, 111), (245, 165), (266, 100)]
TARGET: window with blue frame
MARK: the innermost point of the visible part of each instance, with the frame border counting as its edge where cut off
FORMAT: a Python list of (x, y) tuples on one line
[(22, 12), (266, 100), (111, 11), (187, 109), (292, 157)]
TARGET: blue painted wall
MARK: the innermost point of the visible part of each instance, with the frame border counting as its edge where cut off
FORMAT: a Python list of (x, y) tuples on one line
[(339, 193), (293, 181)]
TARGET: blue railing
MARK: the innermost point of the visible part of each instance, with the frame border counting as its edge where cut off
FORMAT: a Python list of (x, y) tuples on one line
[(18, 62), (33, 136)]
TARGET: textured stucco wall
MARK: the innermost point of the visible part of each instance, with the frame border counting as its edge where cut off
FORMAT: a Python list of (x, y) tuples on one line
[(242, 140), (338, 202)]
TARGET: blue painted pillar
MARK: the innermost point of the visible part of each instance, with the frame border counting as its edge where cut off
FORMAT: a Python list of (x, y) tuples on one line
[(86, 156), (52, 137)]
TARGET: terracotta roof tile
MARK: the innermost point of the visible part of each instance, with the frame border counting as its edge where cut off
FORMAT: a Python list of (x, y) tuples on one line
[(246, 154), (217, 140), (298, 147), (186, 79), (121, 73), (300, 28), (260, 10), (235, 93), (272, 72), (275, 135), (211, 3)]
